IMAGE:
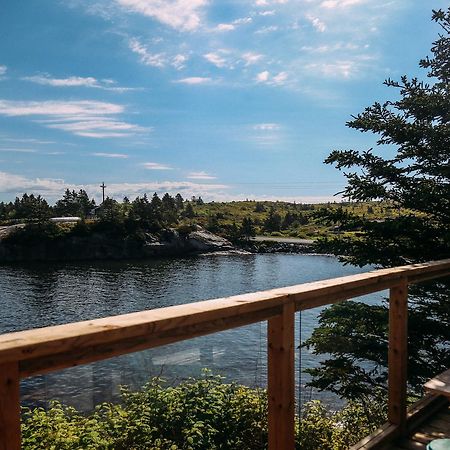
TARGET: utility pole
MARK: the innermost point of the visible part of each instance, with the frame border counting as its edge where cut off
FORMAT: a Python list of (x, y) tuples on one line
[(103, 186)]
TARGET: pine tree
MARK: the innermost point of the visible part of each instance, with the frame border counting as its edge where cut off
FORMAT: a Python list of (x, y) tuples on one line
[(415, 180)]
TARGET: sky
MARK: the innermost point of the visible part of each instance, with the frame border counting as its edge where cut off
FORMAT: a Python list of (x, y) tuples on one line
[(227, 100)]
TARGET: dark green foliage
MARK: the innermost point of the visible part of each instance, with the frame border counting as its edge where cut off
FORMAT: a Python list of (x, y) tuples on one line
[(74, 204), (273, 221), (31, 208), (247, 228), (202, 414), (415, 183)]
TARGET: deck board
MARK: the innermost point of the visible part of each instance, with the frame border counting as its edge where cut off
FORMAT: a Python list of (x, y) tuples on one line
[(436, 427)]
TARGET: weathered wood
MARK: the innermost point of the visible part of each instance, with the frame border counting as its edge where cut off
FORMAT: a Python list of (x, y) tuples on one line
[(378, 438), (82, 336), (9, 407), (439, 385), (398, 354), (281, 380)]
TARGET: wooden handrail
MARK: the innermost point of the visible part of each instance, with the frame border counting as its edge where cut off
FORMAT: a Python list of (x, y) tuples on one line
[(42, 350)]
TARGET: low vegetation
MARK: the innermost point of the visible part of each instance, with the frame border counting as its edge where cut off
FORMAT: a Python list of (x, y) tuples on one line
[(204, 413)]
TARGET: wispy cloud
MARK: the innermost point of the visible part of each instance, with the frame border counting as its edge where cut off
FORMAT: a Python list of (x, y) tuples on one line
[(216, 58), (265, 77), (18, 150), (332, 4), (86, 118), (156, 166), (268, 29), (179, 14), (201, 175), (251, 58), (267, 12), (194, 80), (110, 155), (76, 81), (316, 23), (232, 25), (266, 126), (147, 58), (3, 70), (63, 82)]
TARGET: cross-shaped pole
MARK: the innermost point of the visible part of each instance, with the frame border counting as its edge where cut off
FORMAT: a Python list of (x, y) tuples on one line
[(103, 190)]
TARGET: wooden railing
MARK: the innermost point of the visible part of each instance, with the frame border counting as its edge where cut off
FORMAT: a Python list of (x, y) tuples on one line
[(27, 353)]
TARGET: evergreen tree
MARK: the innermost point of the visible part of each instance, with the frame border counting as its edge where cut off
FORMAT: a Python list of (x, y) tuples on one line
[(247, 228), (273, 221), (179, 202), (416, 181)]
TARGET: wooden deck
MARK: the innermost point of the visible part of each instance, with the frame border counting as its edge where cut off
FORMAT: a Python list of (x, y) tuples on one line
[(435, 427)]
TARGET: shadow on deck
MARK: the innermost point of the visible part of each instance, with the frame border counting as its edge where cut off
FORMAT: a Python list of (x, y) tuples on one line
[(428, 419)]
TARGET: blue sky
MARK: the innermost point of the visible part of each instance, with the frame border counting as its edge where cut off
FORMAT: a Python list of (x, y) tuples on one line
[(223, 99)]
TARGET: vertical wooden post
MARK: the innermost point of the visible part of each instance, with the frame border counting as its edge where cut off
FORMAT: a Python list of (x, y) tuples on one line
[(398, 354), (9, 407), (281, 380)]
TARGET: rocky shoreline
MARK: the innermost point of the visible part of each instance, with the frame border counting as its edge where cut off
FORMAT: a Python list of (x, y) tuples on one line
[(171, 243), (97, 246)]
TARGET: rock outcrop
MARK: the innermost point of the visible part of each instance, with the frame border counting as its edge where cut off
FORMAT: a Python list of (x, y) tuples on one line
[(97, 246)]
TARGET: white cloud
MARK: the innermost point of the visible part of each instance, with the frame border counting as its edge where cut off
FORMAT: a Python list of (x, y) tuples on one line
[(262, 76), (178, 61), (251, 58), (200, 176), (266, 126), (3, 70), (332, 4), (270, 12), (280, 78), (147, 58), (18, 150), (277, 80), (216, 59), (86, 118), (156, 166), (111, 155), (316, 23), (194, 80), (270, 2), (269, 29), (231, 26), (53, 189), (242, 21), (225, 27), (63, 82), (58, 108), (182, 15), (75, 81), (336, 69)]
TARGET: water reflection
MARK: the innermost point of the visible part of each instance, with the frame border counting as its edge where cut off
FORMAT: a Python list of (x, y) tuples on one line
[(41, 294)]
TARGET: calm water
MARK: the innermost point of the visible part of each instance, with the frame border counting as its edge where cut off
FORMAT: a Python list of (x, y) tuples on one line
[(47, 294)]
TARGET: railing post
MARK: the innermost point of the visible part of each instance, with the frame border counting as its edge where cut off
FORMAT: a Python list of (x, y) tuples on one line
[(281, 379), (398, 354), (9, 407)]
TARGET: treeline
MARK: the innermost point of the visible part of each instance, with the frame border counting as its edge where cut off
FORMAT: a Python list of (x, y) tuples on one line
[(235, 220), (158, 211)]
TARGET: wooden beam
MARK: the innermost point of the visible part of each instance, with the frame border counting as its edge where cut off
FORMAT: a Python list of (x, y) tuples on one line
[(9, 407), (398, 355), (281, 380)]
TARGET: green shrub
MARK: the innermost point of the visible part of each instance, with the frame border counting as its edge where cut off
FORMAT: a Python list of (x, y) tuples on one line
[(198, 414)]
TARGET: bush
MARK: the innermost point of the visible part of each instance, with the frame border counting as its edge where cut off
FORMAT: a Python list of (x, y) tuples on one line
[(198, 414)]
